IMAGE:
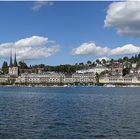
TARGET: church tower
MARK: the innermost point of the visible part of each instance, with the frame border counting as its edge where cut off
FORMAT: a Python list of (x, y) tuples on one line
[(10, 64), (13, 67), (15, 61)]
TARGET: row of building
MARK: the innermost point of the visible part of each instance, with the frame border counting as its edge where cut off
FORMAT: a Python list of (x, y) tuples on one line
[(57, 78), (49, 78), (87, 76)]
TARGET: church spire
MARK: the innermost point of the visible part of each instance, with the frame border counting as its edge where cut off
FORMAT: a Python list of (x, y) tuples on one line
[(15, 61), (10, 65)]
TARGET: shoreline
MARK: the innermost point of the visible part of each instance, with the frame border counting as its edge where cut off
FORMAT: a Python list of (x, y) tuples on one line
[(74, 86)]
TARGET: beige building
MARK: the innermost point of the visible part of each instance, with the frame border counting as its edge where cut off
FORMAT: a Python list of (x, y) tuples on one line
[(40, 78), (56, 78), (120, 80)]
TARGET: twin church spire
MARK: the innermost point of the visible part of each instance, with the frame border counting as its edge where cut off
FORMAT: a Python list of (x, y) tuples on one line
[(11, 60)]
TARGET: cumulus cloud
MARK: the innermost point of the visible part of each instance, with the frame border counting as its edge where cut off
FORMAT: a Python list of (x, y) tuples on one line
[(91, 49), (5, 49), (35, 47), (32, 41), (39, 4), (125, 17), (126, 49)]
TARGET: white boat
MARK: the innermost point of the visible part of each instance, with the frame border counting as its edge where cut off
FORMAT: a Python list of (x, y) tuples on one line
[(109, 85)]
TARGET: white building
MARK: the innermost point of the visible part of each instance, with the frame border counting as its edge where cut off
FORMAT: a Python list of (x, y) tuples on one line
[(97, 69), (134, 65)]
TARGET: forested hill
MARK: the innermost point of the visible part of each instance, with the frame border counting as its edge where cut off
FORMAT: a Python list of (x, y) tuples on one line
[(67, 68)]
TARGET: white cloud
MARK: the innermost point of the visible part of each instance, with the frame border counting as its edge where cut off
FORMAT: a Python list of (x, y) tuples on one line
[(39, 4), (32, 41), (38, 53), (91, 49), (126, 49), (125, 17), (5, 49), (35, 47)]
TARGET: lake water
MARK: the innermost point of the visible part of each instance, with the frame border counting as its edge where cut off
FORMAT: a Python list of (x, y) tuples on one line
[(70, 112)]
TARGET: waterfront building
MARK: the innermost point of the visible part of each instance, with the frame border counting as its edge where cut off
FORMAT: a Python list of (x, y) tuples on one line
[(40, 78), (68, 79), (4, 78), (120, 80), (79, 78), (84, 78), (56, 78)]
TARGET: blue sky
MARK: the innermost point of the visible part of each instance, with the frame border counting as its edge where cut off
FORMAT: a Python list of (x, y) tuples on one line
[(68, 25)]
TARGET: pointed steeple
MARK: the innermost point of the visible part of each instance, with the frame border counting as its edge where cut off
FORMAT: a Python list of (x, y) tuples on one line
[(10, 65), (15, 61)]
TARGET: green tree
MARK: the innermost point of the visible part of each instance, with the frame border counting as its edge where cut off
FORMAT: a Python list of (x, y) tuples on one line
[(104, 72), (97, 61), (104, 61), (136, 58), (22, 65), (120, 60), (41, 66), (93, 64), (111, 61), (5, 67), (138, 64), (89, 62), (125, 58), (132, 59), (126, 71), (81, 64)]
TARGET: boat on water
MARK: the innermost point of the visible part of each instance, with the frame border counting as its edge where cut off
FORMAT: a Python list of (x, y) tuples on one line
[(109, 85)]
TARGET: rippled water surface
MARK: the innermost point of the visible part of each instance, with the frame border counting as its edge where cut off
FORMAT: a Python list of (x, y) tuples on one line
[(70, 112)]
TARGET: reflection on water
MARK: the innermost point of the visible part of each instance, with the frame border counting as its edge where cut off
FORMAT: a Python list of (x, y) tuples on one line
[(93, 112)]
